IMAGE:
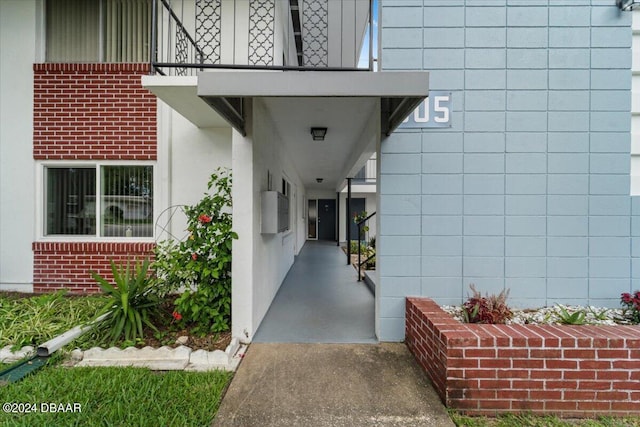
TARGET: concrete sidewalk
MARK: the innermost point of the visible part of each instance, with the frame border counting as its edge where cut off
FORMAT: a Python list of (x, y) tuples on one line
[(330, 385)]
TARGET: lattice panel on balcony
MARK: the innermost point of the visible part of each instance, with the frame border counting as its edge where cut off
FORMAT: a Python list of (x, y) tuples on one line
[(315, 39), (208, 18), (182, 50), (262, 15)]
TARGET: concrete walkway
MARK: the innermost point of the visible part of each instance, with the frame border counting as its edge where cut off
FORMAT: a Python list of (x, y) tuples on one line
[(330, 385), (320, 301)]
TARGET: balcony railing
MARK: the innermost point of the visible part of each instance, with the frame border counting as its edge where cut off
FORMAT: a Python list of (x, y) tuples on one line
[(193, 35)]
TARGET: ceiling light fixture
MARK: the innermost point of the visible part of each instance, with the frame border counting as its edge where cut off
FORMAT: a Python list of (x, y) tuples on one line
[(319, 180), (318, 134), (627, 5)]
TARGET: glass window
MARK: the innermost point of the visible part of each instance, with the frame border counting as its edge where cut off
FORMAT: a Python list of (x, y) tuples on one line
[(94, 30), (124, 207)]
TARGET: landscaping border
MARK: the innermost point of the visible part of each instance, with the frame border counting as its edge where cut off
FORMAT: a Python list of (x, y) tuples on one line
[(570, 371)]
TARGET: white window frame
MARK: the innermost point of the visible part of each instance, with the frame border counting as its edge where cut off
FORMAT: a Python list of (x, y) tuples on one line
[(41, 192)]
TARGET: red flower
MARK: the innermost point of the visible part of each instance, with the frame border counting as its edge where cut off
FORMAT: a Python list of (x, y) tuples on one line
[(204, 218), (194, 256), (626, 297), (177, 316)]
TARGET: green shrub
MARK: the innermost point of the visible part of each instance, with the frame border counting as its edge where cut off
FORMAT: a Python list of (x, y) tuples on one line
[(201, 264), (132, 301)]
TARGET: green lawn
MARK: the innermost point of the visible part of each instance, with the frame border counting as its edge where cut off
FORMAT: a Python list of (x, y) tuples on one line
[(116, 396)]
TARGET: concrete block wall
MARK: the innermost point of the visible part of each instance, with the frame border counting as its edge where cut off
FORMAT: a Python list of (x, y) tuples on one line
[(529, 188)]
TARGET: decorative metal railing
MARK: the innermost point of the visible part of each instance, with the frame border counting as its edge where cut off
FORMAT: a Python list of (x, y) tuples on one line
[(368, 246), (193, 35)]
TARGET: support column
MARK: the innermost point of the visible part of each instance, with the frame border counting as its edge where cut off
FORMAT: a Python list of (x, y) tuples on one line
[(337, 218), (349, 221), (244, 206)]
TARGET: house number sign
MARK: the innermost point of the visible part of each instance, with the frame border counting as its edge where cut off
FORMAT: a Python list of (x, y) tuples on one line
[(433, 112)]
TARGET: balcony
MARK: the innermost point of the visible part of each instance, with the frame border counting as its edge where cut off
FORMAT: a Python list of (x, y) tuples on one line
[(189, 36)]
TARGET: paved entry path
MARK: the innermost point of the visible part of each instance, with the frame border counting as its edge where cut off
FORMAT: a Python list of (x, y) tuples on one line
[(320, 300), (330, 385)]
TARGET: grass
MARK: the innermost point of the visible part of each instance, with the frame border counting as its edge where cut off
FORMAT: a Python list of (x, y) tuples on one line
[(117, 396), (37, 319), (527, 420)]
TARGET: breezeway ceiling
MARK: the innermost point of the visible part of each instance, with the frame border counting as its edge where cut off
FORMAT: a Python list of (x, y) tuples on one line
[(346, 103), (345, 119)]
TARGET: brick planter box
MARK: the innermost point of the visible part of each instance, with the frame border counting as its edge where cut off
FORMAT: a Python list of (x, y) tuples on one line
[(570, 371)]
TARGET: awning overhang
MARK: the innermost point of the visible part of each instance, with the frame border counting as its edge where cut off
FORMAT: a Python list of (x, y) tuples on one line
[(399, 92), (356, 107)]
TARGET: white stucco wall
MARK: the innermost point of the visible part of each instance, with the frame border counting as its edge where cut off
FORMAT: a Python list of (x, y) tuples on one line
[(187, 156), (17, 55), (261, 261)]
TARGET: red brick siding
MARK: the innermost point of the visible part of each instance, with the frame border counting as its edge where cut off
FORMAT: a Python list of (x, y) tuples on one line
[(571, 371), (68, 265), (89, 112), (93, 112)]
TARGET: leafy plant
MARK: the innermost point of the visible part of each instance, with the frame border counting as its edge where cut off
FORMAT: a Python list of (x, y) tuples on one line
[(201, 265), (132, 301), (354, 247), (565, 317), (599, 315), (357, 217), (36, 319), (489, 309), (631, 307)]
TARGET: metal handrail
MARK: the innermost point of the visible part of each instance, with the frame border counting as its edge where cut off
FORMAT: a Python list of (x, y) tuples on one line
[(186, 56), (360, 262)]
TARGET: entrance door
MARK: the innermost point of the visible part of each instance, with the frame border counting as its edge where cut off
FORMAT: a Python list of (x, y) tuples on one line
[(327, 219), (357, 206)]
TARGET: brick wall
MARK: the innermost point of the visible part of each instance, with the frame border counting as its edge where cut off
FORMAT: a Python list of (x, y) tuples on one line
[(572, 371), (93, 112), (89, 112), (68, 265)]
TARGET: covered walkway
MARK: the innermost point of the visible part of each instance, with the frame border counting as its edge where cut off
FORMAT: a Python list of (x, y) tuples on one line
[(320, 301)]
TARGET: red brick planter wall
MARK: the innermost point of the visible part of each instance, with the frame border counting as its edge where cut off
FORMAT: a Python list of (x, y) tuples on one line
[(571, 371), (68, 265)]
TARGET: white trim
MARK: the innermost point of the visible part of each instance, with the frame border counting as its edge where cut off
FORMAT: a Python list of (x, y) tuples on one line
[(40, 203)]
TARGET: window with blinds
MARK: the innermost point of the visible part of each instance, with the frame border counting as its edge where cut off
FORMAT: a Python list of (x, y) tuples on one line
[(123, 208), (98, 30)]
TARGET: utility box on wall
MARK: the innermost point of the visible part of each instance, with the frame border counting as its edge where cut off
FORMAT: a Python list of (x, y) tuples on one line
[(275, 212)]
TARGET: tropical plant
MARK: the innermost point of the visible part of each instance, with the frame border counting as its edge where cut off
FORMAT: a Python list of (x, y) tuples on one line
[(358, 217), (132, 301), (566, 317), (631, 306), (36, 319), (201, 264), (490, 309)]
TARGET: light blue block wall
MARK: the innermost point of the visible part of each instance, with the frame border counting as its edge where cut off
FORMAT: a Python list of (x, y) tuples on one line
[(529, 188)]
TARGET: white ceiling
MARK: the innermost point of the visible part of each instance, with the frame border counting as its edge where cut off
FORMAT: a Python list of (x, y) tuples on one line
[(331, 159)]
